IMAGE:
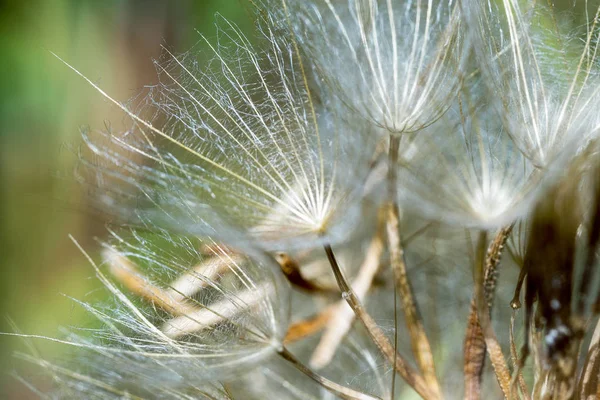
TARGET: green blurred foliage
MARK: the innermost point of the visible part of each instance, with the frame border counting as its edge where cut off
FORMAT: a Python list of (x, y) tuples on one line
[(43, 106)]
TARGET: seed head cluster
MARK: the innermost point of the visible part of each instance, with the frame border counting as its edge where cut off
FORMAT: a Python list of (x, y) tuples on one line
[(343, 205)]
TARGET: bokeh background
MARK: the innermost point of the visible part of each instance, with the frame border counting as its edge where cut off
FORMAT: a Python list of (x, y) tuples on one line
[(43, 106)]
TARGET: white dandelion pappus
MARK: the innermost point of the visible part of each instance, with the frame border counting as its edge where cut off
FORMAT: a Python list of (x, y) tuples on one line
[(170, 344), (545, 78), (393, 62), (75, 383), (466, 170), (244, 149)]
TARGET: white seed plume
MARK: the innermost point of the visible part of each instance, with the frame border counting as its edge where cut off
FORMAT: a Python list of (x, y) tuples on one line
[(79, 383), (242, 145), (236, 319), (466, 170), (393, 62), (545, 79)]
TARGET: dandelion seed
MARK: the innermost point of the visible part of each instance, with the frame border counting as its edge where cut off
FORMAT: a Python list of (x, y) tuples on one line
[(392, 62), (466, 170), (236, 320), (232, 332), (191, 317), (135, 355), (258, 158), (546, 80)]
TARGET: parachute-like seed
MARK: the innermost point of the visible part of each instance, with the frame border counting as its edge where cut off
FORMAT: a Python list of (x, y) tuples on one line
[(545, 78), (242, 149), (161, 345), (393, 62), (466, 170)]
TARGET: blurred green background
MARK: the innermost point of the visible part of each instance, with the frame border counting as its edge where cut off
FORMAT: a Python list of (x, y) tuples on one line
[(43, 106)]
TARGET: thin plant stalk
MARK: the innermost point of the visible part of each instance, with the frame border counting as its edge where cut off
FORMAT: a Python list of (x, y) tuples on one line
[(419, 341), (475, 347), (483, 314), (410, 376), (341, 391), (514, 358), (589, 382), (343, 317)]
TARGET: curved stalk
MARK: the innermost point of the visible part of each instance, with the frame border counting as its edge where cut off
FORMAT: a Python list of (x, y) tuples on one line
[(342, 316), (409, 375), (339, 390)]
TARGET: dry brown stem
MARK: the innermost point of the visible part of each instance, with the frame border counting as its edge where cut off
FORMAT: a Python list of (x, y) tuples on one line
[(475, 344), (514, 358), (410, 376), (343, 316), (342, 392), (419, 341), (589, 382), (483, 314)]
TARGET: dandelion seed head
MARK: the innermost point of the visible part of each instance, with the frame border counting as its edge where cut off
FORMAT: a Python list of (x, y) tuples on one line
[(250, 152), (491, 200)]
